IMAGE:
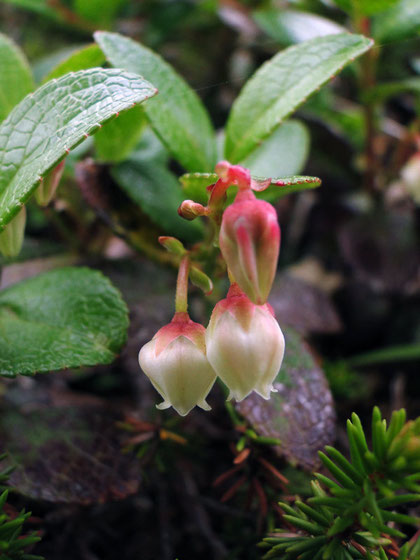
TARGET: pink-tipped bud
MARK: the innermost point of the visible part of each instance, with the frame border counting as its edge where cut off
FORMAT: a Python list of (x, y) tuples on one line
[(190, 210), (175, 362), (245, 345), (250, 243), (233, 174)]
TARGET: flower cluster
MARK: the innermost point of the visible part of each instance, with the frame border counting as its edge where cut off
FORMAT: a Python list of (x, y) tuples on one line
[(243, 343)]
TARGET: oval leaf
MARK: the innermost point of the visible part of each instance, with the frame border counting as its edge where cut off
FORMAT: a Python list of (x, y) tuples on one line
[(156, 190), (15, 76), (400, 22), (81, 59), (64, 318), (301, 414), (283, 153), (282, 84), (177, 116), (291, 26), (118, 138), (68, 454), (46, 125)]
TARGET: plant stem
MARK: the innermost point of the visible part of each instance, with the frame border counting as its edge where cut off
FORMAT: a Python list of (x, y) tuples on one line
[(367, 82), (181, 297)]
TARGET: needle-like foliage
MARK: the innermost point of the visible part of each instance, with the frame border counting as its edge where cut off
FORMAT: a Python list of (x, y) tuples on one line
[(13, 543), (356, 512)]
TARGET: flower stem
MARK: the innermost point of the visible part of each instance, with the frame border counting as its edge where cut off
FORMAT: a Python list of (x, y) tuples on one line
[(181, 297)]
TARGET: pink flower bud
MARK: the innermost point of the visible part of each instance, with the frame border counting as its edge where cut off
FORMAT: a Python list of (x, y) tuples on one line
[(250, 244), (245, 345), (175, 362), (190, 210)]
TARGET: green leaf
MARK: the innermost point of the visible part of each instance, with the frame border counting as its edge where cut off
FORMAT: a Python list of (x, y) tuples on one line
[(342, 117), (41, 7), (194, 185), (291, 26), (15, 76), (118, 138), (67, 317), (156, 190), (46, 125), (365, 7), (99, 12), (400, 22), (81, 59), (283, 153), (391, 354), (177, 115), (282, 84), (389, 89)]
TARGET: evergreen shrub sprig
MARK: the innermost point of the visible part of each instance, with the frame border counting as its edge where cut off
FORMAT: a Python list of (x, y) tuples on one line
[(13, 543), (356, 514)]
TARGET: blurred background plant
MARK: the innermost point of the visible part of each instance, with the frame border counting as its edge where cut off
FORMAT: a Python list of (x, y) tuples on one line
[(347, 290)]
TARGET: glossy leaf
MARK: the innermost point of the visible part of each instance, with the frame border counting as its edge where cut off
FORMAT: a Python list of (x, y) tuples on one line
[(194, 185), (119, 137), (282, 84), (81, 59), (64, 318), (15, 76), (177, 115), (400, 22), (46, 125), (283, 153), (290, 26), (156, 190)]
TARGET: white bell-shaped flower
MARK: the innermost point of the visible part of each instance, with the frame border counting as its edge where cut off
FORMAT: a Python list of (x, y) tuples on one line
[(175, 362), (245, 345)]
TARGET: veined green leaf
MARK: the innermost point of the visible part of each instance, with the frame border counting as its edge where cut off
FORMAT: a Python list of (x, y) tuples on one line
[(46, 125), (15, 76), (282, 84), (67, 317), (82, 59), (177, 116), (292, 26)]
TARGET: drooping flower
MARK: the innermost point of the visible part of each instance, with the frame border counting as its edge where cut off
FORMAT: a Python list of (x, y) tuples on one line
[(175, 362), (250, 243), (245, 345)]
